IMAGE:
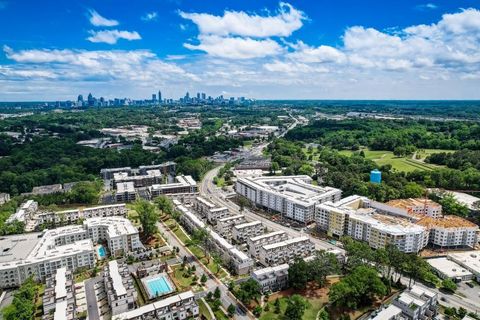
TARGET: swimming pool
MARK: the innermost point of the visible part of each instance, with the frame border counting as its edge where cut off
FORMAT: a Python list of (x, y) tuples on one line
[(102, 253), (158, 286)]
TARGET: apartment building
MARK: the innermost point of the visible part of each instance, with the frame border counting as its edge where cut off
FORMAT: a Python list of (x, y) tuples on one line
[(286, 251), (75, 215), (108, 173), (26, 210), (119, 233), (119, 287), (167, 168), (41, 254), (293, 196), (225, 225), (125, 192), (241, 232), (451, 231), (272, 279), (418, 207), (182, 184), (254, 243), (380, 230), (241, 263), (208, 210), (417, 303), (59, 295), (179, 307), (150, 177)]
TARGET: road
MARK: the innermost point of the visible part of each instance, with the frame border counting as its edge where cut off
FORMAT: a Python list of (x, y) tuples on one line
[(92, 308), (212, 282)]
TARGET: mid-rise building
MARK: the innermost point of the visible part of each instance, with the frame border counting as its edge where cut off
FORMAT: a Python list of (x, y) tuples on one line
[(272, 279), (26, 210), (254, 243), (179, 307), (451, 231), (286, 251), (119, 287), (150, 177), (59, 295), (293, 196), (209, 210), (225, 225), (241, 232), (182, 185), (418, 207), (125, 192)]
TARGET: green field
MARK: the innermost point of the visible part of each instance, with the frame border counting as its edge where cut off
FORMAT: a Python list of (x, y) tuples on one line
[(313, 307), (406, 164)]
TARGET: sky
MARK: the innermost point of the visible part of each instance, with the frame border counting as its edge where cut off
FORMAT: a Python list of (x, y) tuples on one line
[(302, 49)]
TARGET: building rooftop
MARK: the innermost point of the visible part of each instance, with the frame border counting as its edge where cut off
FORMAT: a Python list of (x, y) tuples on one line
[(17, 247), (60, 311), (388, 313), (125, 187), (61, 283), (117, 226), (469, 259), (448, 267), (267, 235), (231, 218), (116, 277), (248, 224), (446, 222), (285, 243)]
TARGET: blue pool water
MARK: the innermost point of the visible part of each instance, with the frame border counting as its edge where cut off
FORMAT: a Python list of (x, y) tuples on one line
[(158, 286), (101, 252)]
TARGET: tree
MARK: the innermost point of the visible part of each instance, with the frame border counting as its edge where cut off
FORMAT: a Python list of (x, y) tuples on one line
[(358, 288), (298, 274), (164, 204), (201, 237), (217, 293), (276, 304), (248, 291), (231, 310), (450, 205), (449, 285), (324, 264), (257, 311), (296, 306), (324, 315), (148, 217), (243, 202), (203, 279), (217, 259)]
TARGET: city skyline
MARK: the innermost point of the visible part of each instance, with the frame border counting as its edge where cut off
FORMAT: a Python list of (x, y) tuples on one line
[(267, 50)]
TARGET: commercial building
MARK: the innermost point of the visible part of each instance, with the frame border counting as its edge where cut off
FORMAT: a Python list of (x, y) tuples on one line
[(470, 260), (41, 254), (254, 243), (179, 307), (182, 184), (293, 196), (125, 192), (225, 225), (119, 287), (451, 231), (59, 295), (286, 251), (75, 215), (448, 269), (272, 278), (241, 232)]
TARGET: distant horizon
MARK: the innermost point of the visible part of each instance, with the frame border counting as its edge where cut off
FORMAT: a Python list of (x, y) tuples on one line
[(269, 49), (327, 100)]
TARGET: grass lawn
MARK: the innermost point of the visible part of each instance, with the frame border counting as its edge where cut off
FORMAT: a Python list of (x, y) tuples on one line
[(399, 163), (203, 309), (181, 279), (220, 182)]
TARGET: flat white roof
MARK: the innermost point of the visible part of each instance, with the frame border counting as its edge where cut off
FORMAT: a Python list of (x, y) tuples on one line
[(285, 243), (61, 283), (125, 187), (248, 224), (448, 267), (267, 235), (60, 311), (231, 218), (116, 278), (469, 259), (389, 313)]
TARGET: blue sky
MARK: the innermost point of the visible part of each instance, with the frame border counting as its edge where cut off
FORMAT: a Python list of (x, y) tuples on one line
[(54, 50)]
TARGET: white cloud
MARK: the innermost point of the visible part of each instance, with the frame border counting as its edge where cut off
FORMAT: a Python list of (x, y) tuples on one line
[(235, 48), (426, 6), (239, 23), (97, 20), (151, 16), (112, 36)]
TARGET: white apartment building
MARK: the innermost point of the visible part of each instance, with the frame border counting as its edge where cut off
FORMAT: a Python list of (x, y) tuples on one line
[(286, 251), (451, 231), (380, 230), (241, 232), (121, 292), (150, 177), (225, 225), (242, 264), (119, 233), (254, 243), (209, 211), (182, 185), (417, 303), (26, 210), (73, 216), (272, 279), (125, 192), (41, 254), (293, 196), (59, 295), (178, 307)]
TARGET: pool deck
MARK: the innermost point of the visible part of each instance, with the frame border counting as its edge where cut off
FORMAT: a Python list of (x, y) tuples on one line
[(164, 275)]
